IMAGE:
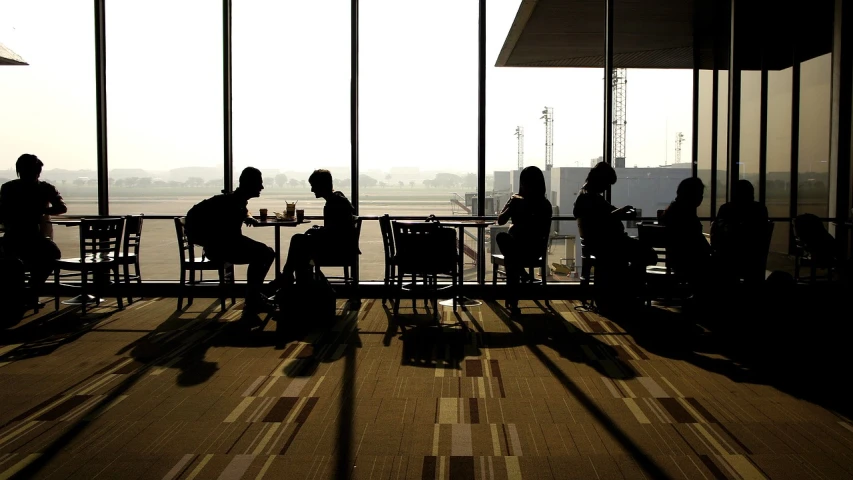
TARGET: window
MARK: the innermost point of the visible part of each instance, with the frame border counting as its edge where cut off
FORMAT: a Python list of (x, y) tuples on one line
[(705, 118), (813, 163), (778, 195), (750, 126), (722, 139), (48, 106), (417, 114), (291, 102)]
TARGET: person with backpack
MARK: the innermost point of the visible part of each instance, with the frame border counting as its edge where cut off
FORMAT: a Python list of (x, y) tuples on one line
[(216, 224)]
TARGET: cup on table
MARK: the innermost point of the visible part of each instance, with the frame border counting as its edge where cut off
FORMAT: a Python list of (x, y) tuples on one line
[(290, 211), (300, 215), (263, 214)]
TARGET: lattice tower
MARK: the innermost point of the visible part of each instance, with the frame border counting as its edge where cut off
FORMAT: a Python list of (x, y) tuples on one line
[(519, 133), (679, 139), (548, 115), (619, 82)]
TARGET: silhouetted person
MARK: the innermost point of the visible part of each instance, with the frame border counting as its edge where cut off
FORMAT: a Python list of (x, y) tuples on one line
[(216, 224), (335, 237), (530, 213), (687, 250), (24, 205), (739, 234), (600, 226)]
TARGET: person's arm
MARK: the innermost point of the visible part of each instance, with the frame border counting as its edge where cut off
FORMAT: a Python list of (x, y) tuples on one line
[(624, 212), (57, 204), (506, 213), (4, 204)]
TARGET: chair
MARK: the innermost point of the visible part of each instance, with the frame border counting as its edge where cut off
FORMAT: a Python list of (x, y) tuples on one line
[(390, 254), (347, 261), (429, 250), (540, 262), (130, 252), (100, 245), (815, 247), (191, 264), (654, 235)]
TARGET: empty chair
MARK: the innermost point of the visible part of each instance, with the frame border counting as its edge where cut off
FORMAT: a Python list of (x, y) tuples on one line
[(427, 250), (100, 245), (190, 264), (130, 252)]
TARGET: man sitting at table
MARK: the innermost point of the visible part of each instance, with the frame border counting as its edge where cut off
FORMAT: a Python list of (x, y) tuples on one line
[(216, 224), (335, 237), (24, 205)]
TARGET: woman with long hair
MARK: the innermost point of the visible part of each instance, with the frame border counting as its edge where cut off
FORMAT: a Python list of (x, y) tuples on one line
[(530, 213)]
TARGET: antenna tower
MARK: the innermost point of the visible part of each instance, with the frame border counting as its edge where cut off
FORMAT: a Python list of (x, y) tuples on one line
[(679, 139), (619, 82), (519, 132), (548, 115)]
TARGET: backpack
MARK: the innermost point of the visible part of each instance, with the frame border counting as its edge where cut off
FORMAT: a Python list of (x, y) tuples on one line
[(201, 221), (311, 298)]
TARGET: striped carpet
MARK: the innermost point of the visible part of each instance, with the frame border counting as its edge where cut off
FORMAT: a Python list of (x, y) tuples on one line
[(151, 393)]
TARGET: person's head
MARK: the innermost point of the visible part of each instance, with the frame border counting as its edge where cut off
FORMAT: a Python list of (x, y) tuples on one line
[(28, 167), (599, 178), (691, 191), (251, 182), (532, 182), (321, 183), (743, 192)]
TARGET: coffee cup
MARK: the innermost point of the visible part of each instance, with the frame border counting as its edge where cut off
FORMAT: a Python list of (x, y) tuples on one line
[(300, 215), (263, 214), (290, 211)]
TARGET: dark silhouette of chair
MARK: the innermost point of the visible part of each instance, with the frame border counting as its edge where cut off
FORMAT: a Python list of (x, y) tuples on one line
[(428, 250), (100, 246), (814, 247), (659, 274), (348, 260), (530, 265), (130, 252), (191, 264), (390, 255)]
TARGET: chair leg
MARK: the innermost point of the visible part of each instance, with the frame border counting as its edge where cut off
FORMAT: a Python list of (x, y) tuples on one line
[(231, 280), (398, 292), (222, 284), (56, 289), (85, 296), (494, 273), (138, 277), (386, 283), (117, 281), (126, 268), (191, 286), (181, 287)]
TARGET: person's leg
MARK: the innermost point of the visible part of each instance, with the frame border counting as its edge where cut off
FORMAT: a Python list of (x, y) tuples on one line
[(259, 257), (510, 252), (38, 255), (298, 257)]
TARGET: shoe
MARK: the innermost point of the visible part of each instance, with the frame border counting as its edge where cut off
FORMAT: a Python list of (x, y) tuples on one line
[(264, 305)]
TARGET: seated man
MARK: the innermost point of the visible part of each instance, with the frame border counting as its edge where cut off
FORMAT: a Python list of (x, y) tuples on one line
[(24, 205), (216, 224), (739, 235), (335, 237)]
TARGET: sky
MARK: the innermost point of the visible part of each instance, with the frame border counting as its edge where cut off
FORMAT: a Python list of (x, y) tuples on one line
[(291, 89)]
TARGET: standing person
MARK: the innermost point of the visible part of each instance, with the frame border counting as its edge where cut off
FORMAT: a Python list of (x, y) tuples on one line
[(335, 237), (216, 224), (527, 238), (24, 204)]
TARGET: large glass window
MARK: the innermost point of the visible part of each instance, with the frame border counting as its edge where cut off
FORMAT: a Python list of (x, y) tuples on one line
[(48, 106), (750, 126), (164, 115), (417, 114), (722, 138), (658, 129), (705, 118), (291, 102), (522, 104), (813, 163), (778, 196)]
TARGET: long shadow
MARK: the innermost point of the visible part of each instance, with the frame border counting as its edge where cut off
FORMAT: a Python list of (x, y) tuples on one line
[(648, 465), (159, 348), (761, 338)]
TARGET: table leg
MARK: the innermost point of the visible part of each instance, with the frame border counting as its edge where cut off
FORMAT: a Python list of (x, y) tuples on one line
[(461, 300), (277, 250)]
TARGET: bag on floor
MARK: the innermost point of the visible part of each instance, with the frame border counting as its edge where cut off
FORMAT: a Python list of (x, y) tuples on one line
[(310, 300)]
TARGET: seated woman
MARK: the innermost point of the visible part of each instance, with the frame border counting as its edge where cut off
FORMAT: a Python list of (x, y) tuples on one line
[(527, 238), (687, 250), (602, 233), (739, 234)]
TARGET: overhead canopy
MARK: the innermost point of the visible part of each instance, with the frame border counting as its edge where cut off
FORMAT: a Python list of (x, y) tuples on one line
[(8, 57), (664, 33)]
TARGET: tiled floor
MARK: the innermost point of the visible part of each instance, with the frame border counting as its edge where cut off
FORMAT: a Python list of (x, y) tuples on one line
[(557, 393)]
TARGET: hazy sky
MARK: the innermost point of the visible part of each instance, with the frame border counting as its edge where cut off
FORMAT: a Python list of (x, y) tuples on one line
[(291, 67)]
